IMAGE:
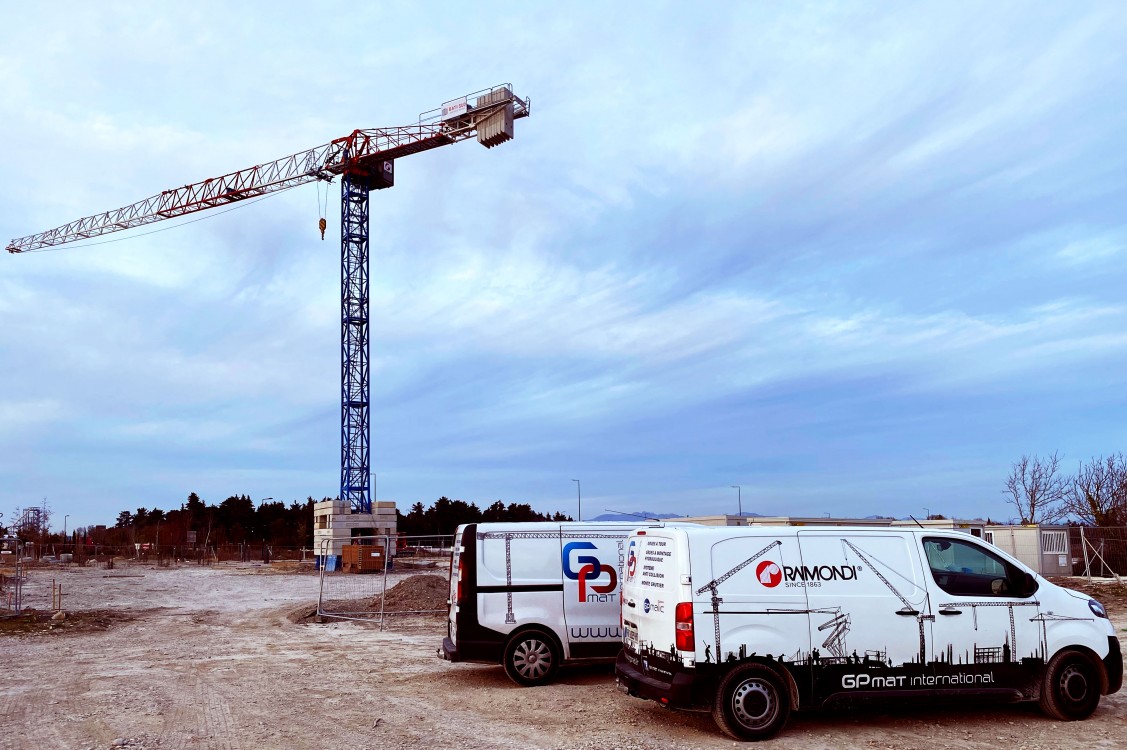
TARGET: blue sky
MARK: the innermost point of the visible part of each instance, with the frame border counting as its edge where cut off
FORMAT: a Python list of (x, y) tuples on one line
[(855, 260)]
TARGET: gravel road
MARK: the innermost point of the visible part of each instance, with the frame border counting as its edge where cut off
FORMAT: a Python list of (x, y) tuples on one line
[(212, 658)]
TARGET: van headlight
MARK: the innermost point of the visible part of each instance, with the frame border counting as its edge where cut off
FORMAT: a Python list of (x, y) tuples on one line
[(1097, 608)]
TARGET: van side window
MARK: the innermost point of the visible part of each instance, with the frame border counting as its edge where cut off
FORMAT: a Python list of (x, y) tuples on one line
[(966, 569)]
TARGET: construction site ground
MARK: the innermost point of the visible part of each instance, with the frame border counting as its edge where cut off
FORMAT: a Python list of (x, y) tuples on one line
[(229, 658)]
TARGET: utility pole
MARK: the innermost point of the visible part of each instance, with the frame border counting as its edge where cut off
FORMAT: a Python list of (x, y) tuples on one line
[(579, 492)]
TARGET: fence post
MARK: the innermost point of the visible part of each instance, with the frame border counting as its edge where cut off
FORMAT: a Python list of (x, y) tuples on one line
[(1084, 547), (383, 593), (324, 566)]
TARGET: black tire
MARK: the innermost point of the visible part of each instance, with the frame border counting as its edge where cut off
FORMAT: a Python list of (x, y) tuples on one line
[(752, 703), (531, 658), (1071, 690)]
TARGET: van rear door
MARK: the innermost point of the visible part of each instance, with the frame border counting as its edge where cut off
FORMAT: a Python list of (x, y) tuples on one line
[(592, 560), (652, 589)]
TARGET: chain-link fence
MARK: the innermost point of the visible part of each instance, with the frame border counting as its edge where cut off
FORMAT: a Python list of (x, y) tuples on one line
[(1099, 551), (358, 576)]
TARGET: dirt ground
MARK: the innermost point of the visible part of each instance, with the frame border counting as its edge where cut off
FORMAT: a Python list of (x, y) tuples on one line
[(223, 659)]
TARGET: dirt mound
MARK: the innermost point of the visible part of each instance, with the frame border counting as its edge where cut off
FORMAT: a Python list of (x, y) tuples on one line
[(302, 614), (41, 622), (424, 594), (421, 592)]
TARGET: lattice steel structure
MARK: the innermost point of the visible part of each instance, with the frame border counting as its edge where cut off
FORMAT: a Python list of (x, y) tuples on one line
[(364, 159)]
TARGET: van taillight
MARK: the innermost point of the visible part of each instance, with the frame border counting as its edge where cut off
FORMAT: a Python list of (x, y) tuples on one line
[(461, 569), (683, 627)]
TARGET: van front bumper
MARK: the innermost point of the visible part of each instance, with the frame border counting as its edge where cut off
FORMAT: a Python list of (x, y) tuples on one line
[(675, 692), (1113, 665)]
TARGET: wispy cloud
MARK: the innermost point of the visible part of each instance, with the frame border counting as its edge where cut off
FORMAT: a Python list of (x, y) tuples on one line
[(830, 253)]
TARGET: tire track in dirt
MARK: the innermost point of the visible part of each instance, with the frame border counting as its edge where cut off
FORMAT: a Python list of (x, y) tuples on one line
[(25, 711), (203, 723)]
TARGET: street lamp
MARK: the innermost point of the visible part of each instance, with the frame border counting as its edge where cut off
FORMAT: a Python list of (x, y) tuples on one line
[(739, 498), (927, 517), (65, 529), (579, 492)]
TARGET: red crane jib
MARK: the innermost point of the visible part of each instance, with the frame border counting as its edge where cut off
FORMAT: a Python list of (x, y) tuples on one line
[(357, 151)]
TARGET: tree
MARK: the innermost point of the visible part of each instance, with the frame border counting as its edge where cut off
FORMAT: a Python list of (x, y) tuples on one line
[(1097, 495), (495, 512), (1037, 489), (235, 518), (194, 509)]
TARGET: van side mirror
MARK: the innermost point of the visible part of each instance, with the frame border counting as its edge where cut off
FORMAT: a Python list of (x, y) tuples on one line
[(1029, 584)]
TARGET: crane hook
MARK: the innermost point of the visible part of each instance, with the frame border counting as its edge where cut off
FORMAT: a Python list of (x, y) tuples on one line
[(322, 224)]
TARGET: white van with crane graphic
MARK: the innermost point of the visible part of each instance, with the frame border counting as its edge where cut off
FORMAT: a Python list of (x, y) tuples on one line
[(533, 596), (754, 622)]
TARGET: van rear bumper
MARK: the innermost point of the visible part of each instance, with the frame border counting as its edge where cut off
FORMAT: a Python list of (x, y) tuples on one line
[(676, 692), (1113, 665), (449, 651), (488, 652)]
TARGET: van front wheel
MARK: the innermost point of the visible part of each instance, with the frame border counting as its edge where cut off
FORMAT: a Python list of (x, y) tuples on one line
[(752, 703), (1072, 687), (531, 658)]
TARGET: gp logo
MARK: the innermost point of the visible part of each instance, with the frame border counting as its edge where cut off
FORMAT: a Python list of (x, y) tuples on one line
[(769, 574), (590, 570)]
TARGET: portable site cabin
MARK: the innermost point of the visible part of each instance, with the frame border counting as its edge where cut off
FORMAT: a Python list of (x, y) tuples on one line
[(1042, 547)]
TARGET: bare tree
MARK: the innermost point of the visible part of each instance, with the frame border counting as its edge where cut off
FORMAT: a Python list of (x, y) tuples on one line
[(1037, 489), (1097, 494)]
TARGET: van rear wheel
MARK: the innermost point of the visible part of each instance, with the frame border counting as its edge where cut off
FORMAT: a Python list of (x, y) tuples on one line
[(531, 658), (752, 703), (1072, 687)]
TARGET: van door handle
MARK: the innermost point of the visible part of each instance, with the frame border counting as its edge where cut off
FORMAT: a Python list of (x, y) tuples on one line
[(630, 604), (907, 612), (950, 611)]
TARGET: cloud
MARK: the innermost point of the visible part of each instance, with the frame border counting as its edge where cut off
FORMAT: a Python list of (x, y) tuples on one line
[(829, 253)]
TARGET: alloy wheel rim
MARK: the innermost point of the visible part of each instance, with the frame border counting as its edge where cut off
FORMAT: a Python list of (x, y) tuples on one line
[(532, 659)]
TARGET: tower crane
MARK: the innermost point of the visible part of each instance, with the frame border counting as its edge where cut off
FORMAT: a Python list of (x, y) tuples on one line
[(365, 161)]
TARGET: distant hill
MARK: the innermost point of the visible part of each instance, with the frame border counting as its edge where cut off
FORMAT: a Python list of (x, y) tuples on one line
[(660, 516), (640, 515)]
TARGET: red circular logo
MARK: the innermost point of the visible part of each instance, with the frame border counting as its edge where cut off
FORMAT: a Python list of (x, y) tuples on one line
[(769, 574)]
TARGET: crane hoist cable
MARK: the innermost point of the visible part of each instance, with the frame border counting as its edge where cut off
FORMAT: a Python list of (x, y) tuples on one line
[(322, 206)]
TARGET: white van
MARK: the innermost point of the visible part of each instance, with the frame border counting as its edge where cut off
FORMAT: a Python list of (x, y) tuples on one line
[(533, 596), (751, 623)]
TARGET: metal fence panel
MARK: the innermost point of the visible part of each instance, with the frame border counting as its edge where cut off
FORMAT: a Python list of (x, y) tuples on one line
[(1098, 551), (354, 588)]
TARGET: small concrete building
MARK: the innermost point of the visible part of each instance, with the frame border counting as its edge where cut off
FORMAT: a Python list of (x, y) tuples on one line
[(335, 525)]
